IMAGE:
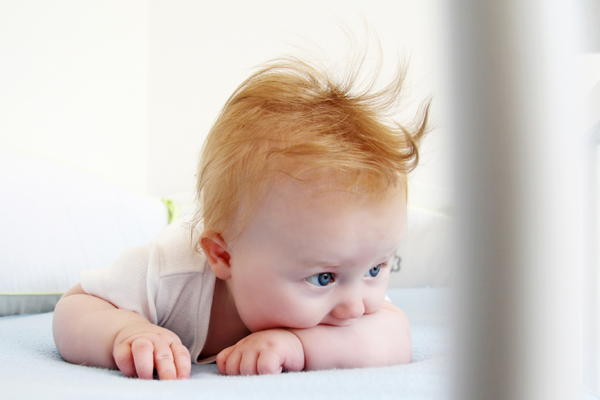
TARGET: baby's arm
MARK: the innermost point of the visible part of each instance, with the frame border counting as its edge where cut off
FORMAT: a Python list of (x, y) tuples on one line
[(377, 339), (89, 330)]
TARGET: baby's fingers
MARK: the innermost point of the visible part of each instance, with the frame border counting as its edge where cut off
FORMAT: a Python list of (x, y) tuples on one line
[(164, 361), (222, 358), (229, 360), (232, 366), (124, 360), (269, 362), (142, 351), (183, 360), (248, 363)]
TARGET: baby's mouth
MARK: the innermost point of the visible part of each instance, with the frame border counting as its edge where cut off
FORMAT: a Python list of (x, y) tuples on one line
[(339, 322)]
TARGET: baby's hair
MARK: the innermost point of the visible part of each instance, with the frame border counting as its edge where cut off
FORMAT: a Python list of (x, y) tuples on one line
[(293, 119)]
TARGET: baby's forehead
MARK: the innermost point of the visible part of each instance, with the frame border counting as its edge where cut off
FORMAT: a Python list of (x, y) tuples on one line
[(314, 191), (337, 227), (284, 197)]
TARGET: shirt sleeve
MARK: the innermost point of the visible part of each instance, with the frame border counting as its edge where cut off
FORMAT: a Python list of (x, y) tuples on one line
[(125, 283)]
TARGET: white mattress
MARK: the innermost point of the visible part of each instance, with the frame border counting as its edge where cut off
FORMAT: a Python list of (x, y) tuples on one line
[(31, 368)]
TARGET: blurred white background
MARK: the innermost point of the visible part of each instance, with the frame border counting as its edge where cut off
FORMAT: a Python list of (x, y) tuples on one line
[(128, 90)]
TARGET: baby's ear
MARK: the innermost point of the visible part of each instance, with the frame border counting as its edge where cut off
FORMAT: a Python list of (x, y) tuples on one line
[(217, 254)]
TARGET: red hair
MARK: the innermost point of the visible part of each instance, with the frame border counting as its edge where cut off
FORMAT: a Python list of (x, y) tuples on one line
[(291, 118)]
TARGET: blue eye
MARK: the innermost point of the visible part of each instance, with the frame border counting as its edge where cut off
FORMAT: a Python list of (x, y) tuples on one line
[(322, 279), (373, 272)]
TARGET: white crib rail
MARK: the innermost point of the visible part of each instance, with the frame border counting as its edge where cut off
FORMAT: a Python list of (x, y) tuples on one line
[(519, 166)]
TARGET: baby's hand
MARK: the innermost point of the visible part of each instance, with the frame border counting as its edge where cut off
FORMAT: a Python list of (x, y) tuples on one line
[(142, 347), (265, 352)]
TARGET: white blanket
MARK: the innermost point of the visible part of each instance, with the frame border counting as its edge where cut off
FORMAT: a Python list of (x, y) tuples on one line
[(31, 368)]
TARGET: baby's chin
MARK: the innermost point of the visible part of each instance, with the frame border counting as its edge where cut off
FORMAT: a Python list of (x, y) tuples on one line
[(328, 320), (287, 325), (332, 321), (339, 322)]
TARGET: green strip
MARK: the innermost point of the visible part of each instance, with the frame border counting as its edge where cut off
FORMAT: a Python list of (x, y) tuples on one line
[(32, 294), (172, 209)]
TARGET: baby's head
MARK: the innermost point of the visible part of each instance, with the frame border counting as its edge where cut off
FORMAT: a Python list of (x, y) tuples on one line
[(302, 186), (293, 121)]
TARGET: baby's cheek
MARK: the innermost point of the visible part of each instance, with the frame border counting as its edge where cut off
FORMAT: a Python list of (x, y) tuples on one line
[(373, 305)]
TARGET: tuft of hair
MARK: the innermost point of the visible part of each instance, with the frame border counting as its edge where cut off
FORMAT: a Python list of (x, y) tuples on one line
[(292, 119)]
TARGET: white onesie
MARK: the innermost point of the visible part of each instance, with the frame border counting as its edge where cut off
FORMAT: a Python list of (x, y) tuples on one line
[(167, 281)]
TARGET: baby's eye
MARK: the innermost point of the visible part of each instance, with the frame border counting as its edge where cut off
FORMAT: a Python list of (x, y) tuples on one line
[(373, 272), (322, 279)]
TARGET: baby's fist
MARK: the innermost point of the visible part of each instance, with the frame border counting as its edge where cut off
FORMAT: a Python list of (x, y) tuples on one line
[(266, 352), (141, 348)]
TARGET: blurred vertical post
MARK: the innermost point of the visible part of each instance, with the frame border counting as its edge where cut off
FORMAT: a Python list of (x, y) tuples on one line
[(519, 196)]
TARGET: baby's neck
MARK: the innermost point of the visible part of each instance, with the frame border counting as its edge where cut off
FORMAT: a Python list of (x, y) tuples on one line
[(225, 327)]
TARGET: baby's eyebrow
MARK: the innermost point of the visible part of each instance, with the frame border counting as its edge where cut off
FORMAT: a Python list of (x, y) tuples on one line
[(308, 259), (317, 263), (333, 266), (392, 251), (311, 259)]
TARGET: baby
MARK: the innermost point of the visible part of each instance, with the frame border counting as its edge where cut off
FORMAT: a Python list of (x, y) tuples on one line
[(302, 193)]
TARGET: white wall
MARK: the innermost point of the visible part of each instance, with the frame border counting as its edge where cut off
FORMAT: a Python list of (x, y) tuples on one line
[(199, 52), (128, 90), (73, 84)]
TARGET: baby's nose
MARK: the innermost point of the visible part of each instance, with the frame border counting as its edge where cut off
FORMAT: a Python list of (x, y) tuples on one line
[(349, 308)]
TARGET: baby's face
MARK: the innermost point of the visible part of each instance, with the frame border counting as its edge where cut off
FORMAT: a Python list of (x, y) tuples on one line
[(310, 258)]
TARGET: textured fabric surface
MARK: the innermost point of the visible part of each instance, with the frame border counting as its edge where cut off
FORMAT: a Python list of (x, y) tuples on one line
[(31, 368)]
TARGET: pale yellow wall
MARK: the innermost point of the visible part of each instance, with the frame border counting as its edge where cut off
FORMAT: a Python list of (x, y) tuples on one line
[(73, 84), (200, 51), (128, 90)]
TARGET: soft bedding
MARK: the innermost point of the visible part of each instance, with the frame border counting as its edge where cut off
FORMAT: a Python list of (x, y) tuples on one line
[(58, 221), (31, 368)]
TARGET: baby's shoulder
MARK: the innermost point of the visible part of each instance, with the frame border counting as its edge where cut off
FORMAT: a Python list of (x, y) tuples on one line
[(175, 250)]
